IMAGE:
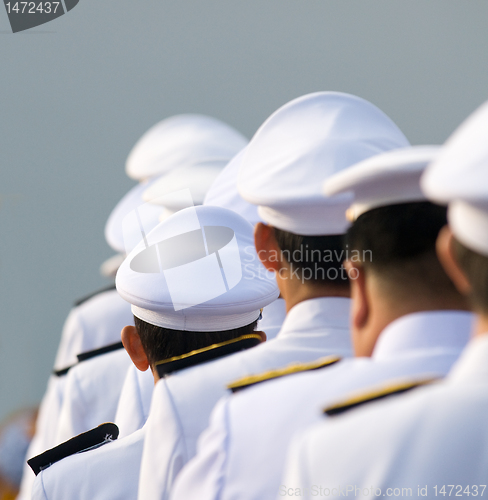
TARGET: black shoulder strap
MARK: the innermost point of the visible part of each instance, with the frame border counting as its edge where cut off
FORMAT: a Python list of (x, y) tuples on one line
[(84, 356), (193, 358), (98, 352), (93, 294), (90, 440)]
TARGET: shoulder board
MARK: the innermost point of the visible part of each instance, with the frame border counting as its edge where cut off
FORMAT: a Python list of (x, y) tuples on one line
[(199, 356), (251, 380), (84, 356), (98, 352), (375, 394), (90, 440), (93, 294), (63, 371)]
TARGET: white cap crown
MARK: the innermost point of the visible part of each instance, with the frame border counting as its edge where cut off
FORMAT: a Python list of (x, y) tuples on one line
[(197, 271), (459, 177), (182, 140), (301, 144)]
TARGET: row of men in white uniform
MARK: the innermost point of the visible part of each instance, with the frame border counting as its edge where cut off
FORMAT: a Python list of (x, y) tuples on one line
[(361, 258)]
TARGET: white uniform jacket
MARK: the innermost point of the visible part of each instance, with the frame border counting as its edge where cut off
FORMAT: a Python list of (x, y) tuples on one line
[(94, 324), (110, 472), (134, 402), (182, 403), (91, 393), (431, 442), (241, 455)]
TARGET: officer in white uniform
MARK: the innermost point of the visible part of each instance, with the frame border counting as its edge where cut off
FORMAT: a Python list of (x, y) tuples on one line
[(412, 337), (430, 442), (86, 401), (283, 166), (173, 143), (198, 290)]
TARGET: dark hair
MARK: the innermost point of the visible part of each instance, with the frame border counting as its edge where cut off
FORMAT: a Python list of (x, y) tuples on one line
[(163, 343), (475, 267), (317, 259), (398, 242)]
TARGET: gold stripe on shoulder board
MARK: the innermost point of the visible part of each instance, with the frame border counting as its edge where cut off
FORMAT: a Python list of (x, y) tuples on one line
[(375, 393), (250, 380)]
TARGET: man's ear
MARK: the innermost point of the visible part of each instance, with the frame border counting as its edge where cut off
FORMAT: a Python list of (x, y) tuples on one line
[(133, 346), (445, 254), (269, 252), (360, 309)]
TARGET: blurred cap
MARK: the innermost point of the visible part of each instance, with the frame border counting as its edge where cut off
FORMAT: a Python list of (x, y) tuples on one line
[(122, 236), (182, 140), (223, 192), (459, 178), (302, 144)]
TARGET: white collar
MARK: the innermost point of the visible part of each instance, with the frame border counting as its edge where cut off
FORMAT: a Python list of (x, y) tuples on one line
[(315, 316), (472, 366), (425, 331)]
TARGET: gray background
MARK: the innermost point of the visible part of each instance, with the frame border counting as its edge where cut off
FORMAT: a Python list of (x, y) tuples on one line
[(75, 95)]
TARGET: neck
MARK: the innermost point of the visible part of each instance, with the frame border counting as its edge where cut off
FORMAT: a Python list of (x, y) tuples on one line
[(294, 292)]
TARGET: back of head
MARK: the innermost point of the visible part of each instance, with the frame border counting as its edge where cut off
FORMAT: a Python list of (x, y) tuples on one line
[(397, 244)]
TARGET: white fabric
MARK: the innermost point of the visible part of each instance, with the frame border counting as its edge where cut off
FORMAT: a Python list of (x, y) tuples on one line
[(135, 401), (94, 324), (459, 177), (272, 320), (183, 402), (91, 394), (299, 146), (433, 436), (109, 267), (385, 179), (196, 178), (123, 236), (182, 140), (223, 192), (107, 473), (184, 286), (46, 427), (260, 421)]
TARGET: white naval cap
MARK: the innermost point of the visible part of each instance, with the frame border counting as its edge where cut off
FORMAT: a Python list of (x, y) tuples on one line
[(182, 140), (385, 179), (301, 144), (197, 271), (459, 177), (197, 179), (122, 237), (223, 192)]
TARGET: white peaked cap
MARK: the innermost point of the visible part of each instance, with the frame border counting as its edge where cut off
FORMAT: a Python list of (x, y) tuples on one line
[(182, 140), (299, 146), (459, 177), (109, 267), (223, 192), (197, 271), (115, 235), (195, 178), (385, 179)]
